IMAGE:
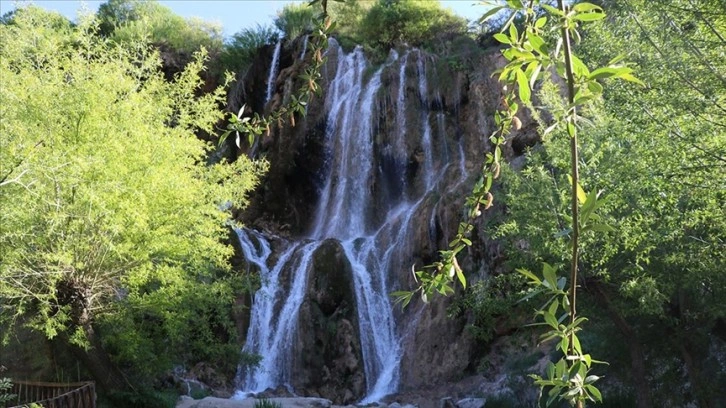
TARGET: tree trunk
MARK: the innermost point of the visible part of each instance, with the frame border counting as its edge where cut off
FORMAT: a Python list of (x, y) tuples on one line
[(637, 356), (694, 375), (106, 375)]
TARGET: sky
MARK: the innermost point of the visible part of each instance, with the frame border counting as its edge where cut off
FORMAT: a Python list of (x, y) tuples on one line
[(234, 15)]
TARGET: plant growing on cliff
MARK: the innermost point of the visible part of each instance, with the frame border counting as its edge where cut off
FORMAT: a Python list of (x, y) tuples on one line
[(112, 220), (133, 20), (389, 23), (295, 20), (241, 48), (529, 55), (257, 125)]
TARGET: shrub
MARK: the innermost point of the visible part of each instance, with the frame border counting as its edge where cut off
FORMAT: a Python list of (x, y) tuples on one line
[(133, 20), (240, 50), (414, 22), (294, 20)]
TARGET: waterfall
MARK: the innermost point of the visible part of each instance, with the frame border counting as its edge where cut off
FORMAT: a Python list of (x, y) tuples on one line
[(273, 71), (423, 90), (400, 147), (271, 334), (374, 246), (305, 48)]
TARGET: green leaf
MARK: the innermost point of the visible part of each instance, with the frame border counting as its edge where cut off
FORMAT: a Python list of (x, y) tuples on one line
[(537, 43), (585, 7), (515, 4), (550, 370), (490, 13), (529, 275), (553, 10), (564, 344), (502, 38), (550, 319), (589, 16), (581, 196), (402, 297), (462, 278), (594, 392), (631, 78), (594, 87), (571, 129), (579, 67), (513, 34), (576, 344), (553, 308), (591, 379), (523, 85), (574, 370), (550, 275), (540, 22)]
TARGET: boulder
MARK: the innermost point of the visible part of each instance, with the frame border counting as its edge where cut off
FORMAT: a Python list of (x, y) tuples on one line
[(328, 353)]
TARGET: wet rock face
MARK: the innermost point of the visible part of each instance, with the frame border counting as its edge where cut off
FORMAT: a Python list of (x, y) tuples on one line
[(328, 352), (288, 192)]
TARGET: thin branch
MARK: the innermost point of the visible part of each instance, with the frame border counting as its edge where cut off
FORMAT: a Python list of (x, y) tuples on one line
[(677, 72)]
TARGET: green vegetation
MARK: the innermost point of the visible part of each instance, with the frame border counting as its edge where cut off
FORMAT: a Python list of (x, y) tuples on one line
[(389, 23), (99, 246), (6, 386), (265, 403), (660, 163), (295, 20), (240, 50), (135, 20)]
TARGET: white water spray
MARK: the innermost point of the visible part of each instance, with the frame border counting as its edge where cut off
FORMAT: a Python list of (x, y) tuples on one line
[(273, 71)]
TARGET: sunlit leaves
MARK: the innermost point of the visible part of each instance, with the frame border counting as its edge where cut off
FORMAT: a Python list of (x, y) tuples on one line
[(118, 199)]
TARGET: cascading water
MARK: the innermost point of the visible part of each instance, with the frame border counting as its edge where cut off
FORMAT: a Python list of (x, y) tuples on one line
[(423, 89), (372, 246), (273, 71), (271, 330), (305, 48)]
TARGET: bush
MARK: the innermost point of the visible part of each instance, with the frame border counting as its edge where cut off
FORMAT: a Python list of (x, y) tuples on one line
[(5, 386), (241, 49), (348, 17), (295, 20), (133, 20), (413, 22)]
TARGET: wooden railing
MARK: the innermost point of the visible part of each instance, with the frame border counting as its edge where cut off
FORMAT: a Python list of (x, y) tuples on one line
[(54, 395)]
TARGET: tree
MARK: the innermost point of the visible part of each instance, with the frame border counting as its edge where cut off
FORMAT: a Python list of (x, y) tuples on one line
[(657, 153), (114, 213), (134, 20)]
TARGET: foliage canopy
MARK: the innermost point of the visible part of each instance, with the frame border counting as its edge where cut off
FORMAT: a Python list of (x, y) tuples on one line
[(112, 216)]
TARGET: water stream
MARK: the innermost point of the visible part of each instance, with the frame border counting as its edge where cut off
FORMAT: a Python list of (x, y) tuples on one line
[(273, 71)]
